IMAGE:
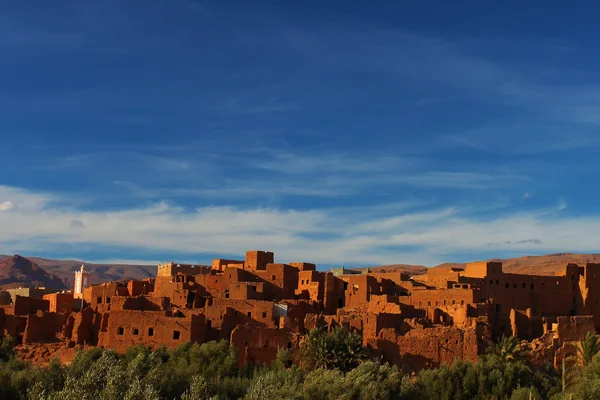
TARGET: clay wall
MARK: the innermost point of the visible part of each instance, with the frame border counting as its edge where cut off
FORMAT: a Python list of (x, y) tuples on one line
[(359, 289), (219, 264), (172, 269), (13, 326), (438, 277), (573, 328), (60, 302), (257, 260), (281, 281), (304, 266), (180, 294), (427, 347), (310, 285), (246, 291), (101, 295), (35, 293), (140, 303), (43, 327), (258, 345), (80, 328), (483, 270), (422, 298), (5, 298), (590, 292), (128, 328), (545, 295), (247, 311), (29, 305), (139, 288), (333, 293)]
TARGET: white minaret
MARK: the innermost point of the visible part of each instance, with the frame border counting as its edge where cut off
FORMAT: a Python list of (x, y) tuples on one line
[(82, 281)]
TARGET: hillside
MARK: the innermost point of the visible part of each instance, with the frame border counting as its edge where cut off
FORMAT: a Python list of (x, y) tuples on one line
[(101, 273), (549, 264), (406, 268), (18, 271)]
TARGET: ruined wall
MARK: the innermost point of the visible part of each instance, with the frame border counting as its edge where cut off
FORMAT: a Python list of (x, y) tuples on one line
[(42, 327), (258, 345), (427, 347), (219, 264), (573, 328), (29, 305), (128, 328)]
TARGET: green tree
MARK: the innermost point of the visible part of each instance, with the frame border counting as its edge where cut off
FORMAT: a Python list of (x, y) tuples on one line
[(7, 348), (339, 349), (588, 348)]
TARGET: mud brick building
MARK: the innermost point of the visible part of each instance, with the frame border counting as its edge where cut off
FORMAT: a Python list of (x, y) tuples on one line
[(261, 306)]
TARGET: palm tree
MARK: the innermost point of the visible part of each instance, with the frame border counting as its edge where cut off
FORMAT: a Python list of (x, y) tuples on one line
[(588, 347), (507, 349)]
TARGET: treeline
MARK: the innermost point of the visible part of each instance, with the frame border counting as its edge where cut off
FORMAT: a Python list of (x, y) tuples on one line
[(328, 366)]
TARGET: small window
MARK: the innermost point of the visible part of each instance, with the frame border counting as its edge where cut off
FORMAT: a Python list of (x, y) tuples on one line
[(289, 346), (453, 302), (437, 303), (532, 286), (445, 302), (491, 281), (99, 300), (524, 286), (108, 300), (429, 303), (507, 285), (120, 331), (264, 315), (249, 314), (254, 288), (420, 303), (150, 331), (226, 295), (462, 302), (176, 335), (273, 277), (135, 331), (514, 285), (497, 282)]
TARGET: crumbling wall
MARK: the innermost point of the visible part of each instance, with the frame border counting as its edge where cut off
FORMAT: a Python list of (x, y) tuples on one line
[(128, 328), (43, 327), (427, 347), (259, 345), (29, 305)]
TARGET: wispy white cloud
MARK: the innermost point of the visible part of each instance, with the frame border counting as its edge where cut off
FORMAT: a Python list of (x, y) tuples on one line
[(324, 236), (6, 206)]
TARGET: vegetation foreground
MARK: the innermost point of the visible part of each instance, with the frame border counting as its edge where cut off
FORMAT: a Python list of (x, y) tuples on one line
[(328, 366)]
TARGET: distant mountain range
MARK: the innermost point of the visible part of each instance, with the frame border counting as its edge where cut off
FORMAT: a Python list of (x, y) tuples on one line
[(18, 271), (13, 271)]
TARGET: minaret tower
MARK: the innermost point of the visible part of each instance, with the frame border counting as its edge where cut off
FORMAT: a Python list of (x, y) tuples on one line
[(82, 281)]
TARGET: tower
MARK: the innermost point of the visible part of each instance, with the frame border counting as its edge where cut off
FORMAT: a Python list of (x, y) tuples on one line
[(82, 281)]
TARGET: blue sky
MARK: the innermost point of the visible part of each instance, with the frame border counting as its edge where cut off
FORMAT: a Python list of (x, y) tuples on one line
[(346, 133)]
